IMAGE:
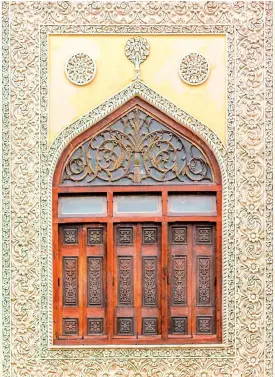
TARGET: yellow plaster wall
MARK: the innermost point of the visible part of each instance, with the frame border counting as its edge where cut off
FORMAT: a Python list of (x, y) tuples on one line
[(206, 102)]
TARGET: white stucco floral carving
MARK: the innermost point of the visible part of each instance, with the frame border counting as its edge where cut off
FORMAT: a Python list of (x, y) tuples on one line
[(80, 69), (137, 50), (26, 282), (194, 69)]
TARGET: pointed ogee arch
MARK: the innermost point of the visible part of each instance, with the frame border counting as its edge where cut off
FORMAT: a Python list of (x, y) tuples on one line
[(137, 204), (137, 145)]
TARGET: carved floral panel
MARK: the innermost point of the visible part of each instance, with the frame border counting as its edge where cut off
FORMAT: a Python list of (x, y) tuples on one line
[(136, 149), (95, 281)]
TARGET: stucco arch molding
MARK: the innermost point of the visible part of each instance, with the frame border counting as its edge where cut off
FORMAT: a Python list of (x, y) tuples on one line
[(140, 89)]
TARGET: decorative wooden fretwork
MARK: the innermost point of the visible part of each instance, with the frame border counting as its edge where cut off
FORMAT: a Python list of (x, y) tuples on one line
[(95, 326), (204, 235), (70, 277), (149, 236), (125, 281), (95, 281), (179, 235), (149, 281), (204, 325), (136, 149), (125, 236), (179, 287), (149, 326), (70, 326), (125, 326), (94, 236), (203, 281), (70, 236), (179, 325)]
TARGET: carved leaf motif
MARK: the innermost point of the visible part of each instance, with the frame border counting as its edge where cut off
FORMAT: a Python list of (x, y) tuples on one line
[(136, 149), (94, 236), (204, 283), (70, 265), (125, 284), (179, 325), (95, 283), (70, 236), (179, 281), (70, 326), (125, 326), (149, 326), (149, 281), (95, 326), (137, 49), (204, 325)]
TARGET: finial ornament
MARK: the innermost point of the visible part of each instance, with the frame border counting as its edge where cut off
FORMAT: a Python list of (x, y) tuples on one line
[(137, 50)]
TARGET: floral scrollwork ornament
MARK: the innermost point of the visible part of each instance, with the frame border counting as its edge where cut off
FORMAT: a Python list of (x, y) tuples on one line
[(137, 50), (194, 69), (80, 69)]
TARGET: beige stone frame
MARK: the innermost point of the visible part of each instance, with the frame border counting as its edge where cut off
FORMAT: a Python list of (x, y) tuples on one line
[(26, 176)]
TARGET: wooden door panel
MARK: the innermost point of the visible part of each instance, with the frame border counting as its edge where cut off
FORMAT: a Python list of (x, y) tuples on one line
[(149, 281), (94, 277), (179, 279), (70, 324), (125, 324), (137, 286), (125, 293), (204, 311), (150, 277)]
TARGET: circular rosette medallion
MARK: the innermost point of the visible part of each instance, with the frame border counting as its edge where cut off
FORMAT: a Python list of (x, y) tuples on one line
[(194, 69), (80, 69)]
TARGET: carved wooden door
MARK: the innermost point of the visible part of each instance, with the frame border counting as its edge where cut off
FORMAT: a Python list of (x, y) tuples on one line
[(191, 282), (148, 282), (137, 276)]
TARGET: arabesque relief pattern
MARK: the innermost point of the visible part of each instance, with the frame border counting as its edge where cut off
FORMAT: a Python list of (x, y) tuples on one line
[(25, 162)]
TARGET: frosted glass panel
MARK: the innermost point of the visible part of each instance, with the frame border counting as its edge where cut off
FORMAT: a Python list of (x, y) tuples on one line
[(191, 204), (82, 206), (137, 205)]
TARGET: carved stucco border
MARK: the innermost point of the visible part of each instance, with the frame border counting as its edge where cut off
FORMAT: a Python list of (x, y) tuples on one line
[(71, 131), (253, 152)]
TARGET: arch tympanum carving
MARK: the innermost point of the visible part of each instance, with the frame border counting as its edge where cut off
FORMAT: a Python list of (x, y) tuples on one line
[(140, 146)]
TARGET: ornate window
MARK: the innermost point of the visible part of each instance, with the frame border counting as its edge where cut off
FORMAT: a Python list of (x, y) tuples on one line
[(137, 234)]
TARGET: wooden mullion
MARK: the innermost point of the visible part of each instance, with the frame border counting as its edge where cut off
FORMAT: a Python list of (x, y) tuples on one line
[(164, 285), (191, 278), (218, 267), (111, 271), (82, 272), (56, 267), (193, 255), (59, 282), (84, 278), (138, 280)]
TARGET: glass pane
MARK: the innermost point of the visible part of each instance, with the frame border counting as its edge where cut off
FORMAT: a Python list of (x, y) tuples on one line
[(191, 204), (137, 205), (80, 206)]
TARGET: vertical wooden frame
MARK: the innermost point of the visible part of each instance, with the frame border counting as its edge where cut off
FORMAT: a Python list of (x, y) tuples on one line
[(218, 282), (111, 271), (164, 317)]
